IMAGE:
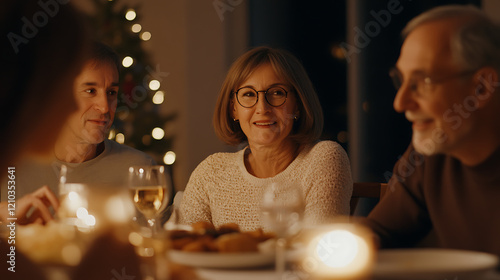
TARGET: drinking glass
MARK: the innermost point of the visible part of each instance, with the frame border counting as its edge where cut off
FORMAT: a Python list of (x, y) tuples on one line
[(150, 191), (74, 202), (282, 212)]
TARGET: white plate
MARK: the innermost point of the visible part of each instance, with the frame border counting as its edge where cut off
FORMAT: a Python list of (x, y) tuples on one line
[(222, 260), (436, 264)]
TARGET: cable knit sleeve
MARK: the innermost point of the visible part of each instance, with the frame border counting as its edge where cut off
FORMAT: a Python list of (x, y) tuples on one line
[(195, 205), (328, 185)]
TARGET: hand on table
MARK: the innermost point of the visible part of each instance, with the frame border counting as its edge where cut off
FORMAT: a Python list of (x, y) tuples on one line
[(40, 200)]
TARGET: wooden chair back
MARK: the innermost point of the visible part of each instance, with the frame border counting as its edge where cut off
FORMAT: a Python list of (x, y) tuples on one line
[(366, 190)]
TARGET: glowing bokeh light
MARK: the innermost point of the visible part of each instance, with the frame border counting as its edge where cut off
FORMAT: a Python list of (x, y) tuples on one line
[(127, 61), (337, 248), (159, 97), (73, 196), (130, 15), (89, 220), (136, 28), (146, 36), (158, 133), (154, 84), (82, 213), (169, 158), (120, 138), (112, 134)]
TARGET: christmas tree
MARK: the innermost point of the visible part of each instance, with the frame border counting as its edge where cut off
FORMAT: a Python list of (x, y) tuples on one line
[(138, 122)]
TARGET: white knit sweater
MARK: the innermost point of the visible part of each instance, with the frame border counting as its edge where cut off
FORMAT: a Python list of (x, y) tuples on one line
[(221, 190)]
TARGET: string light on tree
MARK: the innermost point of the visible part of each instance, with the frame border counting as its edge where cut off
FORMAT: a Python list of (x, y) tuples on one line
[(158, 133), (117, 24), (169, 158), (120, 138), (112, 134), (154, 85), (146, 36), (136, 28), (127, 61), (159, 97), (130, 15)]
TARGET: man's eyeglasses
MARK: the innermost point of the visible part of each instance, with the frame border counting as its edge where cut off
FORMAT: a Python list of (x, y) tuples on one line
[(420, 84), (247, 97)]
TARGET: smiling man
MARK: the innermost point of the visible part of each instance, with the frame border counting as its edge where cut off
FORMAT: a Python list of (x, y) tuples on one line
[(83, 145), (96, 91), (448, 180)]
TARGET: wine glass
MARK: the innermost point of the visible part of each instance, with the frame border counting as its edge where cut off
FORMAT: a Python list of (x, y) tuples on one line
[(282, 211), (150, 191)]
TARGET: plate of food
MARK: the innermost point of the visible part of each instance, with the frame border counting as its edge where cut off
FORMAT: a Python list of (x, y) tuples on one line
[(433, 264), (225, 247), (222, 260)]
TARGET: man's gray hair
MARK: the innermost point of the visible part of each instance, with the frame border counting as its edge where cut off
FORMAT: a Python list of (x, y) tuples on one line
[(475, 44)]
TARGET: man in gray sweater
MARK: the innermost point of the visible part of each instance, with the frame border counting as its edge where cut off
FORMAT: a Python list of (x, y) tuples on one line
[(82, 146)]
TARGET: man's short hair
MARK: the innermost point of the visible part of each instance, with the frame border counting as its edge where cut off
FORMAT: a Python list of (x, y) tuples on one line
[(475, 44), (101, 52)]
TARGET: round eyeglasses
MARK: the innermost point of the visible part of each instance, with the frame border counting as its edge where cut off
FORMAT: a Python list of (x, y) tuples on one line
[(247, 97)]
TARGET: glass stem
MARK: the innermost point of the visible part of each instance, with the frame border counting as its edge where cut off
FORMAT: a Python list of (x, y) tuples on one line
[(280, 257), (152, 225)]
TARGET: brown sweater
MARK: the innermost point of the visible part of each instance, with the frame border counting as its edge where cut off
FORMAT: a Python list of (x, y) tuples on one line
[(460, 203)]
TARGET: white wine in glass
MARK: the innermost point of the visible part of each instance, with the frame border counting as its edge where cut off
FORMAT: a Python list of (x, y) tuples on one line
[(149, 189), (148, 200)]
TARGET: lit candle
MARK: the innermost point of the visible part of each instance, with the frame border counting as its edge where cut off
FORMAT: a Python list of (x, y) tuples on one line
[(341, 251)]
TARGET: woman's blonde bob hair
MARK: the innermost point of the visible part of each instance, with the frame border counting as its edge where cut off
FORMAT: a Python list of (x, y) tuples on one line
[(309, 126)]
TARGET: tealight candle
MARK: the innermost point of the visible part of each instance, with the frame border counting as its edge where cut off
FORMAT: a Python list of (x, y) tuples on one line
[(341, 251)]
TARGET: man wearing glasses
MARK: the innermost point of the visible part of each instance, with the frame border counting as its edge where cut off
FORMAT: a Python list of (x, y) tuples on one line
[(448, 180)]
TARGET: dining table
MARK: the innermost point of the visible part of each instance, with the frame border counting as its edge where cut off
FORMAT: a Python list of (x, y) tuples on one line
[(109, 257), (112, 251), (392, 264), (268, 273), (307, 260)]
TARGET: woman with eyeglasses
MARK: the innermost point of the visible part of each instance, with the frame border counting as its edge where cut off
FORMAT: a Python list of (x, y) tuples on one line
[(268, 105)]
